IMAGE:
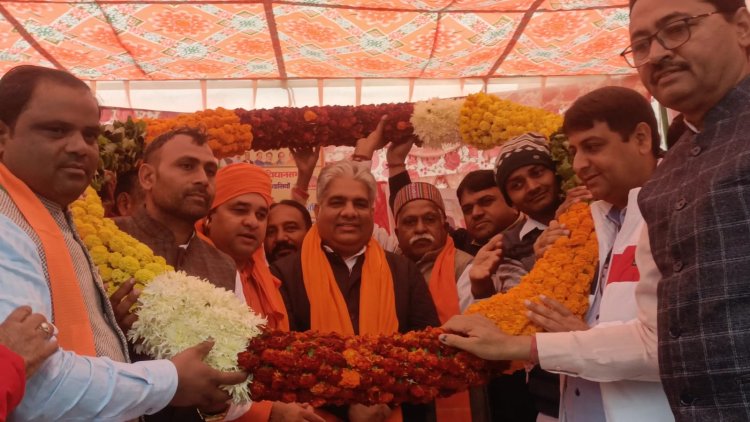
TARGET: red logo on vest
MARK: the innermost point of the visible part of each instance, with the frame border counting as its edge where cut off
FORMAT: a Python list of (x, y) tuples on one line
[(623, 268)]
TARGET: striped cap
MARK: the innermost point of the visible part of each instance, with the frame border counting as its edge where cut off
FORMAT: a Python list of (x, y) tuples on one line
[(417, 190), (527, 149)]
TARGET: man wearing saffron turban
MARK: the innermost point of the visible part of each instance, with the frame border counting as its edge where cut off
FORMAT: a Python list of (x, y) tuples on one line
[(236, 225)]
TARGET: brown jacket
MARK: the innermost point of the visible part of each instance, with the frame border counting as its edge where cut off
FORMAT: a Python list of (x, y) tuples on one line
[(198, 259)]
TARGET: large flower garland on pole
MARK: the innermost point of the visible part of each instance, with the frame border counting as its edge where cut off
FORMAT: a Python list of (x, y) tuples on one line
[(292, 127), (487, 121), (228, 136)]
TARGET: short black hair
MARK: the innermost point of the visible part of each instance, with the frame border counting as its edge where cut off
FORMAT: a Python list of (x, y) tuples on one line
[(198, 135), (18, 85), (475, 181), (127, 183), (622, 109), (301, 208), (723, 6)]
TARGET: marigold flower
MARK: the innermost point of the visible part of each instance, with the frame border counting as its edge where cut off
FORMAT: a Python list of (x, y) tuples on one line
[(117, 255), (228, 135), (564, 274), (487, 121)]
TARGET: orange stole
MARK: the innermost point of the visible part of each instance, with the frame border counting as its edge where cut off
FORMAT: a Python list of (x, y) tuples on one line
[(264, 299), (328, 310), (445, 295), (70, 314), (264, 296)]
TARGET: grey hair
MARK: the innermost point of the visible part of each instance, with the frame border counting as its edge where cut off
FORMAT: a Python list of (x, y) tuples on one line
[(348, 170)]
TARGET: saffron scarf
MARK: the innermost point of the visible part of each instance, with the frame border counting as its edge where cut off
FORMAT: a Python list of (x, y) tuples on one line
[(445, 295), (70, 313), (266, 286), (443, 282), (328, 310)]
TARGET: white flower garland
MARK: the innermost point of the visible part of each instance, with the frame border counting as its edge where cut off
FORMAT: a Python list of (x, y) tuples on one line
[(436, 121), (177, 311)]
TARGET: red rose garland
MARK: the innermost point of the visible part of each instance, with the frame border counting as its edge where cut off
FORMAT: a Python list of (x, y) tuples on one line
[(290, 127), (317, 368)]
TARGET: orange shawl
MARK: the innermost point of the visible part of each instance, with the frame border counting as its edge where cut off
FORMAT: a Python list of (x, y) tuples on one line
[(328, 310), (445, 295), (264, 295), (70, 314), (443, 282)]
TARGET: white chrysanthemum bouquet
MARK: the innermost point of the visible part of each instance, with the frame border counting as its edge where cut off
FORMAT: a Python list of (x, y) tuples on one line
[(177, 311)]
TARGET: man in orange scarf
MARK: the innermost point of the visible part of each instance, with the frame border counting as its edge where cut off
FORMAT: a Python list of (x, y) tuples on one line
[(48, 156), (343, 281), (422, 233), (236, 225)]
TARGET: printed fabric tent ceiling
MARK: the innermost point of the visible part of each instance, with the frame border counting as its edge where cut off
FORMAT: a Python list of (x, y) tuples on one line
[(319, 39)]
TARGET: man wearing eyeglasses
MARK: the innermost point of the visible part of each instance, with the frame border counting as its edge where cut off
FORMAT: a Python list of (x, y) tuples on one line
[(693, 57)]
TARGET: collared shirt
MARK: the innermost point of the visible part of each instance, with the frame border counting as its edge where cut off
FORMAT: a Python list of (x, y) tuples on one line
[(68, 386), (352, 260), (529, 226)]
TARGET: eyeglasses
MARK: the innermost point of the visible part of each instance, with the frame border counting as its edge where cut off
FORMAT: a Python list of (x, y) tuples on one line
[(671, 36)]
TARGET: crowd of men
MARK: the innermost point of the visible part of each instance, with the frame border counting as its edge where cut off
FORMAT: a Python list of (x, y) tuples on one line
[(666, 336)]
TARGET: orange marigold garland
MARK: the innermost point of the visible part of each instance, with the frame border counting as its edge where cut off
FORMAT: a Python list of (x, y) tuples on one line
[(563, 274), (227, 135), (328, 368)]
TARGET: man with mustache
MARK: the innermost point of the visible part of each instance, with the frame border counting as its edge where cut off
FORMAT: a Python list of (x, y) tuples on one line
[(178, 180), (49, 153), (288, 223), (615, 153), (343, 281), (236, 225), (289, 220), (422, 233)]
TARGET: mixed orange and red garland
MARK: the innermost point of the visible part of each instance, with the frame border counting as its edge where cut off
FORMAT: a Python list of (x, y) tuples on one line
[(328, 368)]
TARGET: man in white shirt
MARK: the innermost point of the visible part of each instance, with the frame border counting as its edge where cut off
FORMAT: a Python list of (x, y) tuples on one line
[(615, 153)]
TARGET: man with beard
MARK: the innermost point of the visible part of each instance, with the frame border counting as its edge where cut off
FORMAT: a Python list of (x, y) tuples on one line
[(49, 154), (236, 225), (288, 223), (178, 179), (343, 281)]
